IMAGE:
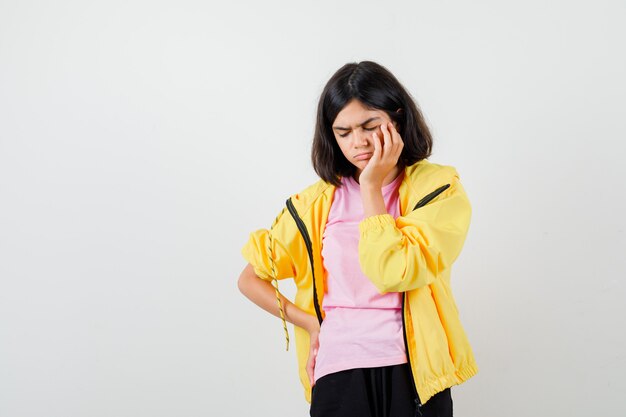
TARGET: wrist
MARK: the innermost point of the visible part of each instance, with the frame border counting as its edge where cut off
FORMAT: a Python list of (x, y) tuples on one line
[(312, 325), (369, 186)]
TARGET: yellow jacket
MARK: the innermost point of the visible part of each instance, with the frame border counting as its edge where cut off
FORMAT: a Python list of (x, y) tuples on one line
[(412, 254)]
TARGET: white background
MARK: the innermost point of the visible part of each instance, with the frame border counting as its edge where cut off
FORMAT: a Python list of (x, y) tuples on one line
[(142, 141)]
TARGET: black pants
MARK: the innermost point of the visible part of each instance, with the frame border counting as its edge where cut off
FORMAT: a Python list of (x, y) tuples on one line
[(385, 391)]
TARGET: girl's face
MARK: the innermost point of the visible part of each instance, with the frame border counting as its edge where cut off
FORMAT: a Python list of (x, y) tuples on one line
[(354, 127)]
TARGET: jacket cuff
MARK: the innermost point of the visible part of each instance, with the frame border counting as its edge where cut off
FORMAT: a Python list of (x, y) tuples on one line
[(376, 222)]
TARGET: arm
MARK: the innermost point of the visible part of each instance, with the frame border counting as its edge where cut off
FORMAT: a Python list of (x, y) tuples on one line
[(269, 255), (263, 294), (373, 201), (410, 252)]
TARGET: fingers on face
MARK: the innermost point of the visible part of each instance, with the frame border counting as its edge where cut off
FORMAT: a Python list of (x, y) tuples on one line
[(376, 144), (389, 137), (396, 139), (386, 133)]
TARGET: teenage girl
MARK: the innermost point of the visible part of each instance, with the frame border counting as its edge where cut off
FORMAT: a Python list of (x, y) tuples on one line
[(382, 336)]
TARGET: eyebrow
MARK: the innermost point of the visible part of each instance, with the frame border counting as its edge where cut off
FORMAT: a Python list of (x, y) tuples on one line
[(364, 123)]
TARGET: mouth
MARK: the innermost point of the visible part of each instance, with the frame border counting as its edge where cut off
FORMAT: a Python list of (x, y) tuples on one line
[(362, 156)]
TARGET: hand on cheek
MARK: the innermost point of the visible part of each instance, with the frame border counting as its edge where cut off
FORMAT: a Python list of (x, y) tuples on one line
[(387, 149)]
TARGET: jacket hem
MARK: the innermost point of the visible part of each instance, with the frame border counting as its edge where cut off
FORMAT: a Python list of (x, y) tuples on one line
[(433, 386)]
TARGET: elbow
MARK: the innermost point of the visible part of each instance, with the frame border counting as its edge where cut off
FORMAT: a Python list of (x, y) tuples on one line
[(389, 285), (382, 288), (381, 275), (401, 281), (243, 283), (383, 282)]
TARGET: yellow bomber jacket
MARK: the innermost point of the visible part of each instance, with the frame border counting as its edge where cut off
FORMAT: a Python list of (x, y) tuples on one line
[(412, 254)]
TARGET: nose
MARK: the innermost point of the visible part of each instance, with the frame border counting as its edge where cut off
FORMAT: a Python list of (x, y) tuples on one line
[(361, 138)]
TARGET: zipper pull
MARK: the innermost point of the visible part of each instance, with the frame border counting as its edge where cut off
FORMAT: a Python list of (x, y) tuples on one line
[(418, 408)]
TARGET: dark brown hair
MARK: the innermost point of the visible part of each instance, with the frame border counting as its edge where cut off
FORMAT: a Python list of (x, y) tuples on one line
[(377, 88)]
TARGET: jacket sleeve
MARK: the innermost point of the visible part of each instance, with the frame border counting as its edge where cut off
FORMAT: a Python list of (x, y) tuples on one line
[(409, 252), (257, 249)]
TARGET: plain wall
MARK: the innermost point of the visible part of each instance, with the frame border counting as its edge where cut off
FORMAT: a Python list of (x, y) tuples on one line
[(142, 141)]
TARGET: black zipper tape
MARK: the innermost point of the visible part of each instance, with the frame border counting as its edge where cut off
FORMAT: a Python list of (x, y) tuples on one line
[(428, 198), (309, 247), (418, 404)]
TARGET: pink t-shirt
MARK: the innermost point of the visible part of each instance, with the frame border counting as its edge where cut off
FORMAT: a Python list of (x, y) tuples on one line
[(362, 327)]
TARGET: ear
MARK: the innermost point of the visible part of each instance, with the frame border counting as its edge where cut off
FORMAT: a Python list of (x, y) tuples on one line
[(399, 111)]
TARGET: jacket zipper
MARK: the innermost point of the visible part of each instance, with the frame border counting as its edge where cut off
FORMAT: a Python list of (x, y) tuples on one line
[(309, 248), (418, 404), (428, 198)]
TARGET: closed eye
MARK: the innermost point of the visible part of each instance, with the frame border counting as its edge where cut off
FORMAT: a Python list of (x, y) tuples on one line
[(366, 128)]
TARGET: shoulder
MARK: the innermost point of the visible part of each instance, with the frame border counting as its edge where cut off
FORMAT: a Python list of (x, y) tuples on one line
[(427, 171), (426, 177), (307, 196)]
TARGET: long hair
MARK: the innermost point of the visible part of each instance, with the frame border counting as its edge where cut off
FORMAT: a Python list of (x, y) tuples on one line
[(377, 88)]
